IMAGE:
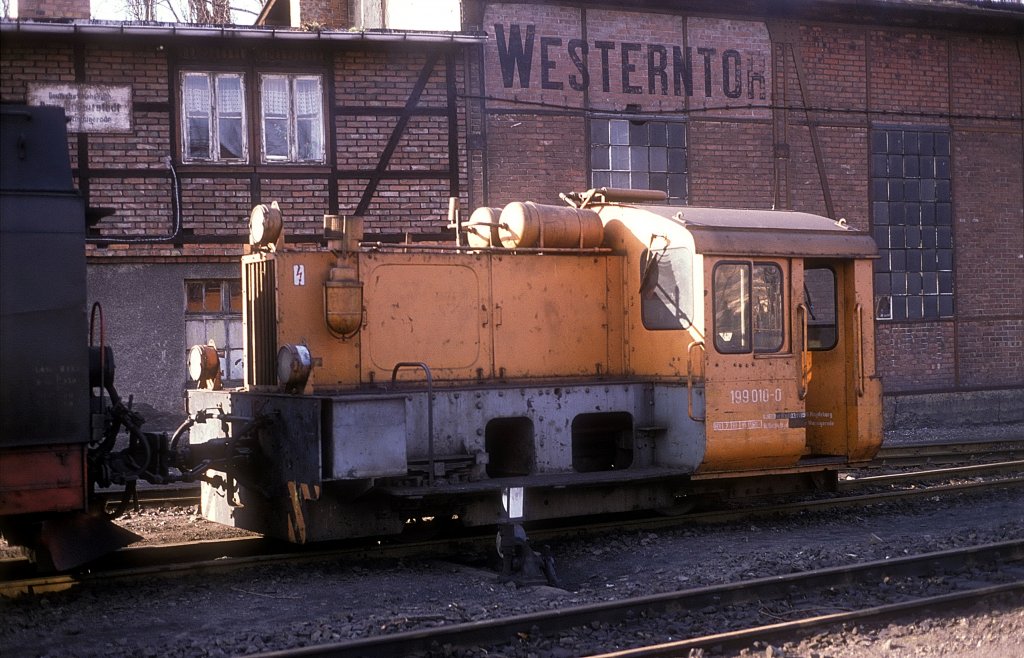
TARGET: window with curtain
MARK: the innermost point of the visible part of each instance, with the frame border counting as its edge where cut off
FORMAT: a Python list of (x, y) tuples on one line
[(293, 120), (213, 117)]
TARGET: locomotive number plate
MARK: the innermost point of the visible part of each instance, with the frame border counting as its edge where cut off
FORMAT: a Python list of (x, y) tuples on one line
[(755, 395)]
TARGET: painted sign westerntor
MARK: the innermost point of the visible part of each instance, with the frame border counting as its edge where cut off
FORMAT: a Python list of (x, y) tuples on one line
[(606, 60), (634, 62), (89, 108)]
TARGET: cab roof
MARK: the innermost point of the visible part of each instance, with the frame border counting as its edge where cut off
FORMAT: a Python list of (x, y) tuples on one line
[(741, 232)]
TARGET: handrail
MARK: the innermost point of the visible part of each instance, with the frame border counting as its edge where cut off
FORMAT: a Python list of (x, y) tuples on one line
[(430, 409), (801, 309), (689, 380), (858, 331)]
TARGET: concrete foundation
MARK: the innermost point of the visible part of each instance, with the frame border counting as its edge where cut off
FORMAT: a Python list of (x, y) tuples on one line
[(959, 409)]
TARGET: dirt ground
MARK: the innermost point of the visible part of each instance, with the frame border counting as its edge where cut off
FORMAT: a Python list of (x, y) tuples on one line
[(279, 606)]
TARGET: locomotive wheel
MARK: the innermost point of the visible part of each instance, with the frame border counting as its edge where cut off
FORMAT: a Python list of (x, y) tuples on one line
[(682, 506)]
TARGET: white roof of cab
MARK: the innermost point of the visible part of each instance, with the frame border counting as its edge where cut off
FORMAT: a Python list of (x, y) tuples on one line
[(742, 232)]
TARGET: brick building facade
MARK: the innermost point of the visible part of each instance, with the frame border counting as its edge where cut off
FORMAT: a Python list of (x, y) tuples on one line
[(912, 132), (186, 128)]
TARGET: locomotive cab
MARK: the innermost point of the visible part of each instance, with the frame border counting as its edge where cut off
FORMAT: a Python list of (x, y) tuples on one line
[(778, 352)]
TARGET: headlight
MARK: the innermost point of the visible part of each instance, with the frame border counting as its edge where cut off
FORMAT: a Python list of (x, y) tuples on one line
[(265, 224), (293, 367), (204, 366)]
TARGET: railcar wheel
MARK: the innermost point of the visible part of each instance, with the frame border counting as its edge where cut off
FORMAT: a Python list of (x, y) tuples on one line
[(681, 507)]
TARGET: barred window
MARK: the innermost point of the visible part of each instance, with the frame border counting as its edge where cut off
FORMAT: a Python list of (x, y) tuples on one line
[(639, 155), (912, 216), (213, 311), (293, 126), (213, 117)]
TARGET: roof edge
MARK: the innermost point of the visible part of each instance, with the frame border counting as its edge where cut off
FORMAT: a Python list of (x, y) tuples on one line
[(149, 29)]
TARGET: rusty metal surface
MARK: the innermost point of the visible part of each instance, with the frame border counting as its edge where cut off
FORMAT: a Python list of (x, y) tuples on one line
[(48, 478)]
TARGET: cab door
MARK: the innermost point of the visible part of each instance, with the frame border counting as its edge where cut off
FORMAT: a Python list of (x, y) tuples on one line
[(755, 414), (842, 391)]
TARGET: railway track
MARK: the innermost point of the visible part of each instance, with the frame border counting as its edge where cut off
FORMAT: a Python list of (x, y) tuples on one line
[(997, 567), (902, 456), (924, 454), (17, 576)]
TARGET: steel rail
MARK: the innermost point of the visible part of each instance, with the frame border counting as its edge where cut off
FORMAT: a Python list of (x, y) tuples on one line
[(739, 639), (933, 474), (499, 631), (930, 453), (173, 560)]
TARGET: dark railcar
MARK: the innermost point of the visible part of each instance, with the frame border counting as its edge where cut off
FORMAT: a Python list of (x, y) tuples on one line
[(44, 422)]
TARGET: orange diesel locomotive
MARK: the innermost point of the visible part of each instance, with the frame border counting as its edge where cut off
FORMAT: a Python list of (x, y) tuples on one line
[(606, 356)]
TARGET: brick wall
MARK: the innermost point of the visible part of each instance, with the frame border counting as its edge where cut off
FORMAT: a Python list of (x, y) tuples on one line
[(989, 225), (325, 13), (53, 9), (129, 171), (991, 352), (535, 157), (830, 85), (909, 73), (832, 53), (983, 84), (730, 164), (916, 357)]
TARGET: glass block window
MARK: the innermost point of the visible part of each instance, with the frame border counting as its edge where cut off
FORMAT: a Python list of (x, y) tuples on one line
[(639, 155), (912, 216), (213, 311), (293, 123)]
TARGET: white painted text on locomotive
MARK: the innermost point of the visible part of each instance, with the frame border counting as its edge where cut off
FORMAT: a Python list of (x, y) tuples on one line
[(755, 395)]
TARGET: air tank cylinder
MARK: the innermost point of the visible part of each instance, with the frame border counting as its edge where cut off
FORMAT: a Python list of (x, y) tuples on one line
[(530, 224), (482, 228)]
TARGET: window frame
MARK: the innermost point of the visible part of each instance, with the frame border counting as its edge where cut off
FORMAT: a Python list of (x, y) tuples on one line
[(749, 326), (651, 303), (293, 118), (912, 222), (213, 116), (630, 140), (229, 314), (814, 325)]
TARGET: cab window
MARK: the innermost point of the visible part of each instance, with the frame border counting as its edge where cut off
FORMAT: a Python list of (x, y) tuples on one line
[(748, 307), (820, 300), (666, 288)]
